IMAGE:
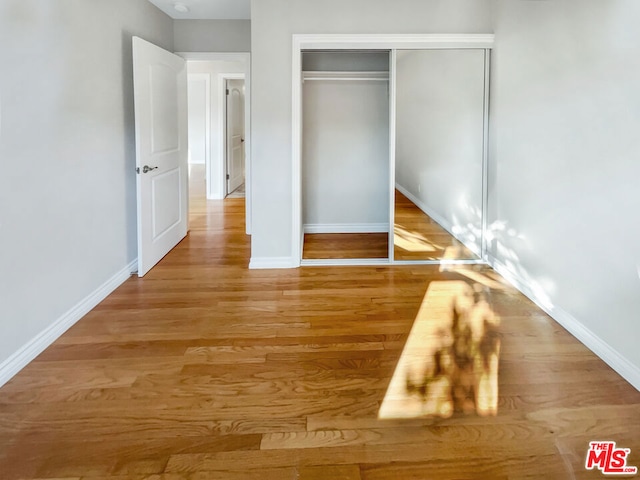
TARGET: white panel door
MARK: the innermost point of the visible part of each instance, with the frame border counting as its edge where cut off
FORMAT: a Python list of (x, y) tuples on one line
[(160, 97), (235, 134)]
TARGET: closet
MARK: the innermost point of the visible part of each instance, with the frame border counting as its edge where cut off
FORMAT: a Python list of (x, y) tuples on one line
[(345, 152), (393, 146)]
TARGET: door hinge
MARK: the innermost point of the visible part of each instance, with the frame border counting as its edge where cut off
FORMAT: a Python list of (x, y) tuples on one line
[(227, 91), (137, 169), (228, 176)]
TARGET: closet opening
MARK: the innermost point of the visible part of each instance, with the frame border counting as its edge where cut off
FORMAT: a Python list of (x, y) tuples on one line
[(345, 155), (390, 141)]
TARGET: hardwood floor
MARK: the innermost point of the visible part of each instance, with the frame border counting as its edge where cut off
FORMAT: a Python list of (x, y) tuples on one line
[(207, 370), (416, 237), (345, 245)]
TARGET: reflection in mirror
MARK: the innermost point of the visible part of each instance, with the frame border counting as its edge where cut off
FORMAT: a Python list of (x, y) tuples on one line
[(418, 237), (439, 154)]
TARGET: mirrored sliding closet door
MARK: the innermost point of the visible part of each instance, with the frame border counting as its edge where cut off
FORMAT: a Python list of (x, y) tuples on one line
[(440, 116)]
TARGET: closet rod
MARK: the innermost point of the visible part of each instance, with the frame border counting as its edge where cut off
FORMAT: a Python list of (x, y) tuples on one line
[(346, 76)]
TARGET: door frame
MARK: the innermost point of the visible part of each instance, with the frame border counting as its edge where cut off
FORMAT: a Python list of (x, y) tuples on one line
[(392, 43), (224, 151), (245, 59)]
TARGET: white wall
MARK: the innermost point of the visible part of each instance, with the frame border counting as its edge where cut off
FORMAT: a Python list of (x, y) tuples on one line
[(215, 68), (565, 143), (212, 35), (67, 153), (345, 156), (347, 61), (198, 92), (272, 25), (439, 136)]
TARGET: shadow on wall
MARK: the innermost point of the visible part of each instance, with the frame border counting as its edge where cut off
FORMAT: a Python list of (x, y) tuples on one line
[(499, 237), (469, 229)]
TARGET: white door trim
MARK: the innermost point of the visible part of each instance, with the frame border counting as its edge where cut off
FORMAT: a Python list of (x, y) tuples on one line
[(349, 42), (392, 41), (245, 59), (484, 246), (392, 153)]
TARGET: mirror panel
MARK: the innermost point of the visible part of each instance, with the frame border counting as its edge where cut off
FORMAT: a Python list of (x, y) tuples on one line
[(439, 154)]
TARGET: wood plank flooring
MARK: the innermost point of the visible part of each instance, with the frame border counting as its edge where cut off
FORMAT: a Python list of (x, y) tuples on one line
[(345, 245), (207, 370), (416, 237)]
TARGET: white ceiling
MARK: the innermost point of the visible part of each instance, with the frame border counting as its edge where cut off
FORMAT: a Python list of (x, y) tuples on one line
[(207, 9)]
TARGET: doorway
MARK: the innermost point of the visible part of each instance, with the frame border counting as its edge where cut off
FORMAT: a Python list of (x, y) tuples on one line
[(199, 137), (396, 44), (234, 136), (345, 164), (218, 68)]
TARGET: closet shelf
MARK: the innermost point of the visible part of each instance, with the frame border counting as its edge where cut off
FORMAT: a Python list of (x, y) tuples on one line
[(346, 76)]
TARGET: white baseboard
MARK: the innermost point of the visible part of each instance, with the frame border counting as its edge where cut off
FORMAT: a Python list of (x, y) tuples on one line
[(443, 222), (346, 228), (273, 262), (34, 347), (626, 369)]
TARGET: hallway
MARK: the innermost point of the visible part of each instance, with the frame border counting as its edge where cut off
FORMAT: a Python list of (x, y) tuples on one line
[(207, 370)]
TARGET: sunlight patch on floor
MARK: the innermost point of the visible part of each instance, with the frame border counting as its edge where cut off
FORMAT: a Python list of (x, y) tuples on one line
[(450, 361), (412, 241)]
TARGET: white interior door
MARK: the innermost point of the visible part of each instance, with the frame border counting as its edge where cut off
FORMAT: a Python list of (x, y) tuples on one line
[(160, 97), (235, 134)]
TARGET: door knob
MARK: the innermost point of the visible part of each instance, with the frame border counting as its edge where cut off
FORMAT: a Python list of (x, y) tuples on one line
[(147, 169)]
